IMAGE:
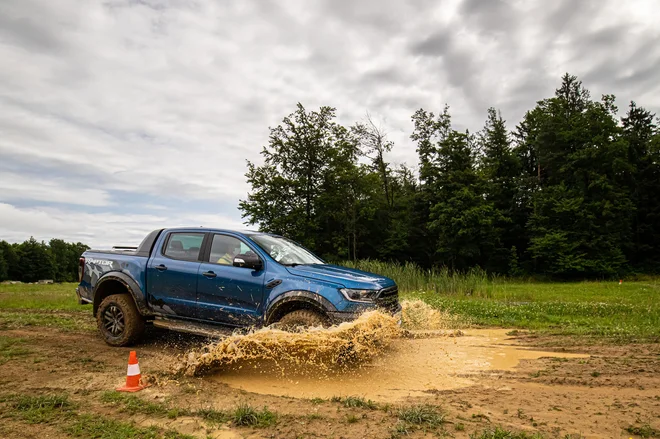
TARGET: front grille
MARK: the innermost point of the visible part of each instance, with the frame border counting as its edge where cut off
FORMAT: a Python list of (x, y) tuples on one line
[(388, 299)]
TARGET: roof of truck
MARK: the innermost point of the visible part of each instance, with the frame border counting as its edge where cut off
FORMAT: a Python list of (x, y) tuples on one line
[(216, 229)]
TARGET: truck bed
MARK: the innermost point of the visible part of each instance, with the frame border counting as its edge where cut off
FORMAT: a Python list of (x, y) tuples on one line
[(132, 252)]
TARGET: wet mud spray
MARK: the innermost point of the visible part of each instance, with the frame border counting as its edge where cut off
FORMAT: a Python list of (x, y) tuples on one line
[(315, 351), (372, 356)]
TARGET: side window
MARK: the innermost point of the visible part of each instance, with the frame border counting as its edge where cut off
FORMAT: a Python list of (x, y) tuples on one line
[(184, 246), (224, 248)]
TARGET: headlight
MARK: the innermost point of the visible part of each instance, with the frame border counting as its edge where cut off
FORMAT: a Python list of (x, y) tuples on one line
[(359, 295)]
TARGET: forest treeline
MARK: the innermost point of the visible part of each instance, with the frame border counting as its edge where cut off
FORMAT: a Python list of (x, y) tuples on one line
[(573, 190), (32, 260)]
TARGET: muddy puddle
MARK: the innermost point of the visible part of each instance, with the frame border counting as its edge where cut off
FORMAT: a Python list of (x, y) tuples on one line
[(411, 367), (372, 357)]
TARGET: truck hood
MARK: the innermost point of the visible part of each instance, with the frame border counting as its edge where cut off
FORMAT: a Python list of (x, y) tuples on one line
[(348, 277)]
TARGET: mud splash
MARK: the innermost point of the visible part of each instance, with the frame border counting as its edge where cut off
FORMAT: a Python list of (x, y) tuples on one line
[(412, 367), (314, 351), (418, 316), (318, 351), (372, 356)]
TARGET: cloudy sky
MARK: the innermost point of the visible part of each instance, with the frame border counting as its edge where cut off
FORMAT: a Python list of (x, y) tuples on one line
[(121, 116)]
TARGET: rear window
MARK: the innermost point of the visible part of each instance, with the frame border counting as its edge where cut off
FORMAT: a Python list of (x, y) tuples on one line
[(184, 246)]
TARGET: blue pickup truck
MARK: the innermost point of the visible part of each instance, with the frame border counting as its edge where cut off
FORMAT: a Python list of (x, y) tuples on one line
[(192, 279)]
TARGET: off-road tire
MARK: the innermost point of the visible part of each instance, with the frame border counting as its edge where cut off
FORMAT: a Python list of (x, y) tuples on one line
[(302, 318), (119, 307)]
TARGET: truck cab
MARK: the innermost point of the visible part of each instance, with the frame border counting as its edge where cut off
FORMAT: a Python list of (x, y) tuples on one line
[(222, 278)]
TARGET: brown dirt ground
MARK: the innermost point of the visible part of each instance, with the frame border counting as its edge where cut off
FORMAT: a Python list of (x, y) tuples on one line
[(595, 397)]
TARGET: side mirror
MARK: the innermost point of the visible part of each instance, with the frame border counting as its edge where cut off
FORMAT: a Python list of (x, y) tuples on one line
[(248, 260)]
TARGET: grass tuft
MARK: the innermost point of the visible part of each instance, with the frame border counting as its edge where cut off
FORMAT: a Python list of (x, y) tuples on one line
[(41, 409), (246, 415), (423, 415), (645, 431), (213, 416), (359, 402), (500, 433)]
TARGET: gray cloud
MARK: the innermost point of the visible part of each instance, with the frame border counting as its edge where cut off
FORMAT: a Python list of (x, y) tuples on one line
[(490, 16), (22, 27), (152, 107)]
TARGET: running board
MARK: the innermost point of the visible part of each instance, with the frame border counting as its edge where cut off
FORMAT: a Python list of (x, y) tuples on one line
[(201, 329)]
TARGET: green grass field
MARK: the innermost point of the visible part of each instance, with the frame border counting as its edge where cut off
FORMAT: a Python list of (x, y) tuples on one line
[(59, 297), (43, 305), (628, 312)]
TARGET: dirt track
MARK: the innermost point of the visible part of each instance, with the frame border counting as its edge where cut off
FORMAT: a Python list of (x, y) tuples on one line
[(597, 396)]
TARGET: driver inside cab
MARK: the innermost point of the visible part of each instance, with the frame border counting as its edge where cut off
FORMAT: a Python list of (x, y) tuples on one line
[(231, 250)]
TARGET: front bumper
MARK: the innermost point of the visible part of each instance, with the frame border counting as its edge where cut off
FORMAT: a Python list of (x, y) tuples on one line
[(340, 317)]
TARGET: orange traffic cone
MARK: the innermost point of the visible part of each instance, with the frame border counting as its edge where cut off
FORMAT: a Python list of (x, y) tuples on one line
[(132, 375)]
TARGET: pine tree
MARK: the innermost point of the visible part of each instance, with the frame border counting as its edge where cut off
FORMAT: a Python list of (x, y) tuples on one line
[(501, 170), (641, 134), (461, 222)]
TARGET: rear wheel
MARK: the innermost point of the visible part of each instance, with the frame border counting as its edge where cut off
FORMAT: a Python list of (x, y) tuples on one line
[(304, 318), (119, 321)]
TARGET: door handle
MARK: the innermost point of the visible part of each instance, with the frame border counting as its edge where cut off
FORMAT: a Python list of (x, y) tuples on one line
[(209, 274), (160, 267)]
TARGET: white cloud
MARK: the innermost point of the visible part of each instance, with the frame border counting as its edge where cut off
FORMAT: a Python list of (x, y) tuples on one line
[(17, 187), (103, 229)]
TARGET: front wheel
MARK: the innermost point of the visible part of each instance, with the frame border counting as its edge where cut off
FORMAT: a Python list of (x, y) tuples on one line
[(119, 321), (304, 318)]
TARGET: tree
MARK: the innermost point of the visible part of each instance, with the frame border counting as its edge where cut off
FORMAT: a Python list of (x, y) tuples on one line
[(375, 144), (428, 132), (4, 267), (399, 222), (60, 254), (572, 192), (35, 261), (65, 259), (641, 134), (460, 221), (501, 169), (581, 217), (386, 211), (11, 259), (310, 165)]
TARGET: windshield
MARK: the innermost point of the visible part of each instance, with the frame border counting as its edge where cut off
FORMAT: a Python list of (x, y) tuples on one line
[(285, 251)]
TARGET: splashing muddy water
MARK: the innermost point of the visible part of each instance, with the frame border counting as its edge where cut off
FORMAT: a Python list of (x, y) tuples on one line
[(371, 357), (314, 351)]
